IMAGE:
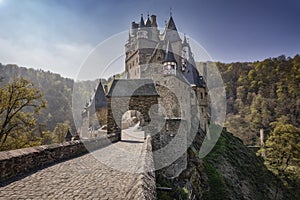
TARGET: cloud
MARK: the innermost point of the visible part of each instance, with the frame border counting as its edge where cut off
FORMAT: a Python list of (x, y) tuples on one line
[(62, 58)]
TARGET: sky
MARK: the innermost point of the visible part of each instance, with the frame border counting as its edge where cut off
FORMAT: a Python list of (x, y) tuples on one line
[(59, 35)]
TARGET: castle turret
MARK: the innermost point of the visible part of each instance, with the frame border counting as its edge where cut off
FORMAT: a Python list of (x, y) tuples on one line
[(148, 22), (169, 63), (142, 32), (142, 23), (171, 34)]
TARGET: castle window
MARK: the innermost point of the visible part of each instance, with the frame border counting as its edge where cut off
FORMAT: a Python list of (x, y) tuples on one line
[(201, 95), (202, 110)]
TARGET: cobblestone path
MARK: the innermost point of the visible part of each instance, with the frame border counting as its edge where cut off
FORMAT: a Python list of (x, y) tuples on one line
[(107, 173)]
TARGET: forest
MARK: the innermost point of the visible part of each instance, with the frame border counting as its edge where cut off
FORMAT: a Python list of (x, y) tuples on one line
[(55, 118), (266, 95), (261, 94)]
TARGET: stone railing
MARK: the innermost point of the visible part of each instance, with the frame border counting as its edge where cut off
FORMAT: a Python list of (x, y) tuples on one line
[(144, 186), (21, 161)]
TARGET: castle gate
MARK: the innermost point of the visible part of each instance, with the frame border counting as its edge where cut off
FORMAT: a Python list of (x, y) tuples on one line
[(130, 94)]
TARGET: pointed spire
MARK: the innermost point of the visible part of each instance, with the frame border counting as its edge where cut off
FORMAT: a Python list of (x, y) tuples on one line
[(142, 23), (169, 54), (148, 22), (171, 24), (184, 40)]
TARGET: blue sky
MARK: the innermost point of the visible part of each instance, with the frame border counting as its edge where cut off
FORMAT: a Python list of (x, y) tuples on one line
[(58, 35)]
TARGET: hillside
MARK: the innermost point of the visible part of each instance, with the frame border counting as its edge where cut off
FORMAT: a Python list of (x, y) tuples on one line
[(57, 117), (229, 171), (259, 93)]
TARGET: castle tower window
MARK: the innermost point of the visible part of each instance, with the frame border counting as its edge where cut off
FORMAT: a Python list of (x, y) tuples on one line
[(142, 34), (170, 64)]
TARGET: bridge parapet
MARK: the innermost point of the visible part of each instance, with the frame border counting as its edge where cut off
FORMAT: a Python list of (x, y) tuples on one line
[(144, 186), (21, 161)]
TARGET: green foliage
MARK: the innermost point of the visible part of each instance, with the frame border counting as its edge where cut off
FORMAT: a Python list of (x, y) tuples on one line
[(282, 152), (19, 103), (176, 191), (57, 92), (260, 92), (216, 183), (235, 172), (60, 131)]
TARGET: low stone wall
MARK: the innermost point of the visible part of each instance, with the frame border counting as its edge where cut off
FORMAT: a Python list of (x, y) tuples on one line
[(145, 185), (21, 161)]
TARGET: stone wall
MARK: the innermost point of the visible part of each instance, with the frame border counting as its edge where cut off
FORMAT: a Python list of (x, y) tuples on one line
[(145, 185), (21, 161), (117, 106)]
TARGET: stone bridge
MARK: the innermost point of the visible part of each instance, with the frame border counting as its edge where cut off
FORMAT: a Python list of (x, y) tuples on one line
[(117, 170)]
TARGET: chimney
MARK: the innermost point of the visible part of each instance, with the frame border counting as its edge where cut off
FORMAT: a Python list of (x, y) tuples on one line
[(153, 21), (134, 27)]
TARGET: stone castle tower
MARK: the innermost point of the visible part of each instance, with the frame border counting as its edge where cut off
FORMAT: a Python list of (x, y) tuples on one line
[(155, 55), (159, 70)]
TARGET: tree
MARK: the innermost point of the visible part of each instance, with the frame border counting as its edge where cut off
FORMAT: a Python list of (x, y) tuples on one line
[(60, 131), (282, 151), (19, 103)]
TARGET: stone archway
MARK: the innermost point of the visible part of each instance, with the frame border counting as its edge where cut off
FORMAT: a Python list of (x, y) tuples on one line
[(129, 94)]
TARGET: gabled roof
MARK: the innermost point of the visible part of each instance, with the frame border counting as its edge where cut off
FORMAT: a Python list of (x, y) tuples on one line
[(169, 57), (132, 87), (100, 98)]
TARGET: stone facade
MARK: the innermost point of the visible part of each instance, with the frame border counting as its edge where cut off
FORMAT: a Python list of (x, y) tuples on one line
[(114, 114)]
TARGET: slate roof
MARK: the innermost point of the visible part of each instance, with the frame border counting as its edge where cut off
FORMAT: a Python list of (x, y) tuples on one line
[(171, 24), (132, 87), (148, 22), (100, 98), (169, 57), (142, 23), (192, 75)]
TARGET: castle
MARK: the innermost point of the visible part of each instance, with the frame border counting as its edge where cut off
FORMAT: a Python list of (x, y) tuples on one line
[(159, 70), (167, 60)]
